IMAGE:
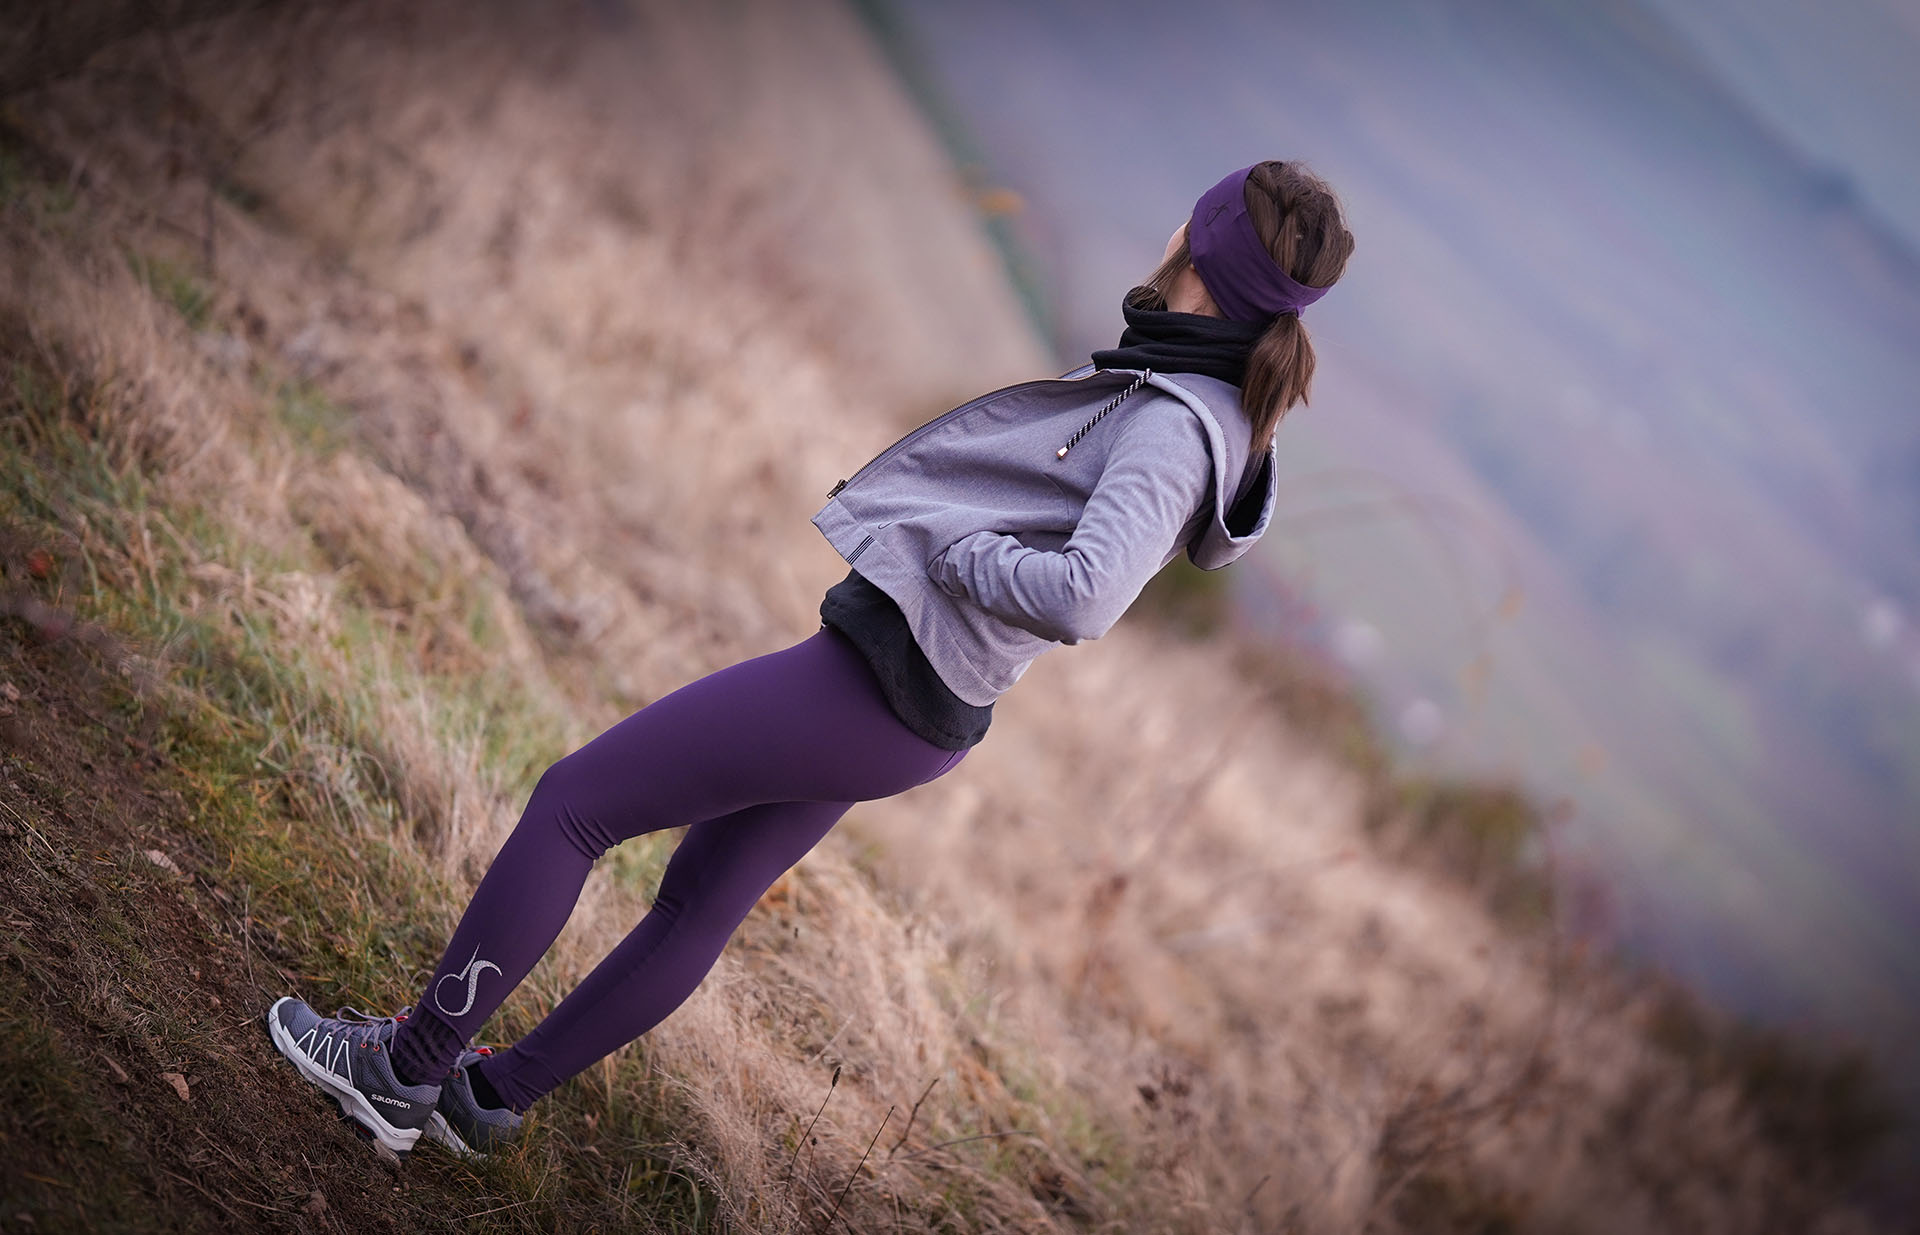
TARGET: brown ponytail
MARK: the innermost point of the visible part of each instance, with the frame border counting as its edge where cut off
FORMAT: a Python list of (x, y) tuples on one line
[(1298, 218)]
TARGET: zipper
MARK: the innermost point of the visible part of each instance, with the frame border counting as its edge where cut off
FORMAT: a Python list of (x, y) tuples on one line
[(941, 419)]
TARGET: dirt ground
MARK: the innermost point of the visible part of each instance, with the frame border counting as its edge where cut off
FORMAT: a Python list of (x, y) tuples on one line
[(134, 981)]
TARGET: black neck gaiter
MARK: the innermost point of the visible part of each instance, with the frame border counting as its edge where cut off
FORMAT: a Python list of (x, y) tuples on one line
[(1169, 342)]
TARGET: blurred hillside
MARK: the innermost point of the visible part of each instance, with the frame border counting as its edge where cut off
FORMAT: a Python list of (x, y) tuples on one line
[(398, 396)]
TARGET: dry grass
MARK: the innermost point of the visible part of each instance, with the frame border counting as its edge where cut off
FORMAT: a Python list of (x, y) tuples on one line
[(508, 352)]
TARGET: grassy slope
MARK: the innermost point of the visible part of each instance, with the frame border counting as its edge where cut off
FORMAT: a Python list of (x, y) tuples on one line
[(186, 822), (315, 555)]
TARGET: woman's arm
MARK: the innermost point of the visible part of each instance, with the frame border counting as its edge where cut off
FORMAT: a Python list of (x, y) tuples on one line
[(1155, 479)]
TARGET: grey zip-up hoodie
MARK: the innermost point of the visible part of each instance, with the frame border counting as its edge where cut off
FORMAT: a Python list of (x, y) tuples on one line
[(996, 545)]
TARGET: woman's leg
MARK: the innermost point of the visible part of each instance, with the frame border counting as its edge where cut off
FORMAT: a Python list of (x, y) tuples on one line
[(806, 728), (714, 879)]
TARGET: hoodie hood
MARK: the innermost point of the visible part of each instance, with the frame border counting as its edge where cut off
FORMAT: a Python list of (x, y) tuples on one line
[(1243, 496)]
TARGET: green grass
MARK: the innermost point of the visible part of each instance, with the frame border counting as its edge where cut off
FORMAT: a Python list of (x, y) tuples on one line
[(48, 201), (316, 423), (190, 297)]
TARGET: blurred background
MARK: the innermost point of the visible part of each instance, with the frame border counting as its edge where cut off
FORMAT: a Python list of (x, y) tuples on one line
[(1611, 478)]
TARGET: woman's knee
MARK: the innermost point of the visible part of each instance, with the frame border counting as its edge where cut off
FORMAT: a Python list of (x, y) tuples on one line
[(561, 802)]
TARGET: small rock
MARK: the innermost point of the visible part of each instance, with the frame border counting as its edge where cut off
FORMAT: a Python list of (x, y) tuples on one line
[(316, 351), (179, 1084), (316, 1203), (164, 862)]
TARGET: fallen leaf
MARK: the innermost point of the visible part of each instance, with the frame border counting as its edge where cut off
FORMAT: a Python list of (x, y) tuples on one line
[(179, 1084), (119, 1073), (164, 862), (10, 692)]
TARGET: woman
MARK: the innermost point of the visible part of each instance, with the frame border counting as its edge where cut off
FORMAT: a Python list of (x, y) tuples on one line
[(1029, 517)]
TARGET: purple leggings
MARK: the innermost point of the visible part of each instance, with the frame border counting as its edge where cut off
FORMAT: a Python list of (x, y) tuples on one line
[(761, 759)]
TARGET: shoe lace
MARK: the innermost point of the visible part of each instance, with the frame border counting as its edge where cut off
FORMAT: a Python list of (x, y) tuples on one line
[(354, 1016)]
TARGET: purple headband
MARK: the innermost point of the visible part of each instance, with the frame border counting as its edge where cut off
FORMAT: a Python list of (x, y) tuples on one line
[(1239, 272)]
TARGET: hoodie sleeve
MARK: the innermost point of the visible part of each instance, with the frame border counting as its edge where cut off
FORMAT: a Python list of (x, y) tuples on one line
[(1154, 482)]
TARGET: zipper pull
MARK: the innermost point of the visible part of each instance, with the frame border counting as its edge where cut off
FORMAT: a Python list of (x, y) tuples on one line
[(835, 491)]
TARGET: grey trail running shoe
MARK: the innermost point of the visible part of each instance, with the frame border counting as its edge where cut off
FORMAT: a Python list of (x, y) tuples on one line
[(461, 1124), (347, 1056)]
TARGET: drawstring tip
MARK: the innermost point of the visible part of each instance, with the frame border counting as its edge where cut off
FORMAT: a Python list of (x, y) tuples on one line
[(1100, 415)]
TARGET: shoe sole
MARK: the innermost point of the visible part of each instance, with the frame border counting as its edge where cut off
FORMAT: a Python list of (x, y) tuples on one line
[(351, 1100)]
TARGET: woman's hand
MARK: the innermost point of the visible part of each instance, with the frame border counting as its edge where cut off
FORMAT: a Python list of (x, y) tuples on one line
[(945, 569), (1153, 486)]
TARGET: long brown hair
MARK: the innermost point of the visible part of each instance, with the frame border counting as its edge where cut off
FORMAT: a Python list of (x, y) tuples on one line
[(1298, 218)]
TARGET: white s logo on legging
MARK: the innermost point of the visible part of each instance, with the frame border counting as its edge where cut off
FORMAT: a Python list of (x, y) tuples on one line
[(471, 972)]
